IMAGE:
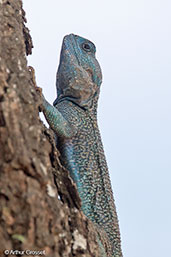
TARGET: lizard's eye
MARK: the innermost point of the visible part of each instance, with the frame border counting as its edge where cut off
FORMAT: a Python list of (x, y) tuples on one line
[(86, 47)]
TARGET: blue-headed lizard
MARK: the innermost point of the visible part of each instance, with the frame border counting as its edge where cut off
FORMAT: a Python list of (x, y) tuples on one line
[(73, 118)]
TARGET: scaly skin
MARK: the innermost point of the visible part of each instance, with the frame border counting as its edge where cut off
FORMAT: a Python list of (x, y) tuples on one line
[(74, 120)]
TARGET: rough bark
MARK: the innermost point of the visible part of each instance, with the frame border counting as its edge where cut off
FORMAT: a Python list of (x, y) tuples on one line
[(39, 203)]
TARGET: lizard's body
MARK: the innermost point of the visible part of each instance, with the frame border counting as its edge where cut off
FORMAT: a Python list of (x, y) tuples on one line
[(74, 120)]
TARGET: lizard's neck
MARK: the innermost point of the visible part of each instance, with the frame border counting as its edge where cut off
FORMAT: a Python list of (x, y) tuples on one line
[(90, 107)]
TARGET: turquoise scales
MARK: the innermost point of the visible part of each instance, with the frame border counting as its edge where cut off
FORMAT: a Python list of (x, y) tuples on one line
[(74, 120)]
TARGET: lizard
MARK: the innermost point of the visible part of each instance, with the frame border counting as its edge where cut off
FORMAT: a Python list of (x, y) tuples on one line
[(73, 118)]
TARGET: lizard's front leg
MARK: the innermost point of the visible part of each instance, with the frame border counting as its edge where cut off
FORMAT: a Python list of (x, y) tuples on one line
[(54, 118)]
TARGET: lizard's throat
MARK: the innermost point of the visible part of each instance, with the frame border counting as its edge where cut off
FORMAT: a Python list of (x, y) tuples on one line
[(84, 97)]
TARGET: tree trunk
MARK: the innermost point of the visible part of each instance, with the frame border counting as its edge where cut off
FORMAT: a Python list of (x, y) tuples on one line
[(39, 203)]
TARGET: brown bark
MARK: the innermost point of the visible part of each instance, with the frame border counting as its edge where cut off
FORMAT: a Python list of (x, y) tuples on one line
[(39, 203)]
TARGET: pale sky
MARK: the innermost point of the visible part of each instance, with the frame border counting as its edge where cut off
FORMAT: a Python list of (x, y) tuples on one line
[(133, 41)]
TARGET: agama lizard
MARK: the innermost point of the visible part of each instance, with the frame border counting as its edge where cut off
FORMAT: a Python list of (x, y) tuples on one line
[(73, 118)]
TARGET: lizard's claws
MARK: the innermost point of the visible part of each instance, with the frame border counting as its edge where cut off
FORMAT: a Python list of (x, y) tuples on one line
[(33, 78), (38, 89)]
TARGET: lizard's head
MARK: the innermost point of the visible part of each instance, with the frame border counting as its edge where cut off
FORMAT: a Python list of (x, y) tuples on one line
[(79, 75)]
